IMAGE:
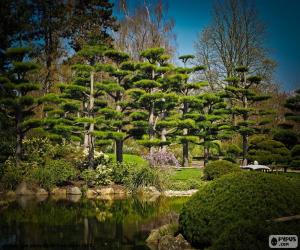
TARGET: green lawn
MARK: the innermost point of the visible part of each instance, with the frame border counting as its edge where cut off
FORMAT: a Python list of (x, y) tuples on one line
[(131, 159), (184, 179), (187, 174)]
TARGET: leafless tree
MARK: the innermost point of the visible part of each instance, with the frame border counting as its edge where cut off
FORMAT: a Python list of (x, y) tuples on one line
[(234, 38), (145, 26)]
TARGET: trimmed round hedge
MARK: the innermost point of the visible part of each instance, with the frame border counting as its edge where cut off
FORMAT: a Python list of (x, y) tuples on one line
[(236, 197), (216, 169)]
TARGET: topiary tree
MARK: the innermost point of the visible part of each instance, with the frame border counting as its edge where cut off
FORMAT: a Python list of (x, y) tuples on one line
[(295, 156), (212, 122), (17, 103), (117, 113), (216, 169), (75, 114), (233, 152), (180, 83), (153, 105), (287, 136), (241, 92), (235, 198), (293, 104), (267, 151)]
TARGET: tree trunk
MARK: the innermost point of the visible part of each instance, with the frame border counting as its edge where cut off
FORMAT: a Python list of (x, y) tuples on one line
[(151, 126), (119, 150), (91, 125), (164, 139), (245, 149), (245, 136), (185, 154), (206, 155), (20, 137), (19, 146), (185, 145), (85, 128)]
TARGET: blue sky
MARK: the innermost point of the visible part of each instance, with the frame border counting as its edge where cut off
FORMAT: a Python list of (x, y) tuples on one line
[(282, 19)]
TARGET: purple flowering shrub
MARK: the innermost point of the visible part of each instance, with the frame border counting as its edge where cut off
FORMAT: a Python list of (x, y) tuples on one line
[(162, 158)]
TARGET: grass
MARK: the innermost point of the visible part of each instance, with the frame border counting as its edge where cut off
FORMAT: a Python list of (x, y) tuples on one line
[(130, 159), (184, 179), (187, 174)]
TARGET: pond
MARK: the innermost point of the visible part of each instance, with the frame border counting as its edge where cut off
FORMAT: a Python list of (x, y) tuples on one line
[(31, 223)]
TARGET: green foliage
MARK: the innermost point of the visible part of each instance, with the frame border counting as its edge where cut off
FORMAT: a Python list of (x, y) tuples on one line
[(131, 159), (185, 179), (55, 172), (233, 198), (293, 104), (144, 176), (121, 171), (38, 150), (288, 137), (295, 157), (102, 175), (216, 169), (252, 234), (267, 151), (14, 173)]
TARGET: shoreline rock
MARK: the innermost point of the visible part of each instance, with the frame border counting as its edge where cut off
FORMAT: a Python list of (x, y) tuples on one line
[(172, 193), (22, 189), (163, 238), (73, 190)]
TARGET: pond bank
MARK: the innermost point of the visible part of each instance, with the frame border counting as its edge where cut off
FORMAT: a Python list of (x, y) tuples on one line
[(102, 192)]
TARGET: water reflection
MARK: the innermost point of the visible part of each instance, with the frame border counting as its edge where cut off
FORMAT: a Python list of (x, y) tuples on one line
[(32, 223)]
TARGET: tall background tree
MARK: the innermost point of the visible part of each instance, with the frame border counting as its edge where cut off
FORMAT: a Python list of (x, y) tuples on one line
[(146, 25), (16, 100)]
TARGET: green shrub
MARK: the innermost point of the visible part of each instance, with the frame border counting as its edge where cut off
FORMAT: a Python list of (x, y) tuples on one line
[(252, 234), (287, 136), (37, 150), (14, 174), (295, 155), (143, 176), (235, 197), (121, 172), (55, 172), (233, 152), (102, 175), (267, 151), (216, 169)]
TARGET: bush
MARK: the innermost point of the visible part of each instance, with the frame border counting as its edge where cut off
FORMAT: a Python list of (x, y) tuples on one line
[(267, 151), (162, 158), (287, 137), (55, 172), (102, 175), (233, 152), (252, 234), (37, 150), (232, 198), (121, 171), (14, 174), (216, 169), (295, 155), (143, 176)]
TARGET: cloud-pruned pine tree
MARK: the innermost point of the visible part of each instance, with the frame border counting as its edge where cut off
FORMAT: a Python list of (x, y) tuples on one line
[(241, 91), (211, 122), (16, 101), (186, 90), (116, 125), (152, 104), (75, 116)]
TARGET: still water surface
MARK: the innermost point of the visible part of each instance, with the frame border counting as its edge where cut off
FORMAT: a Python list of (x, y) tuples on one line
[(30, 223)]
